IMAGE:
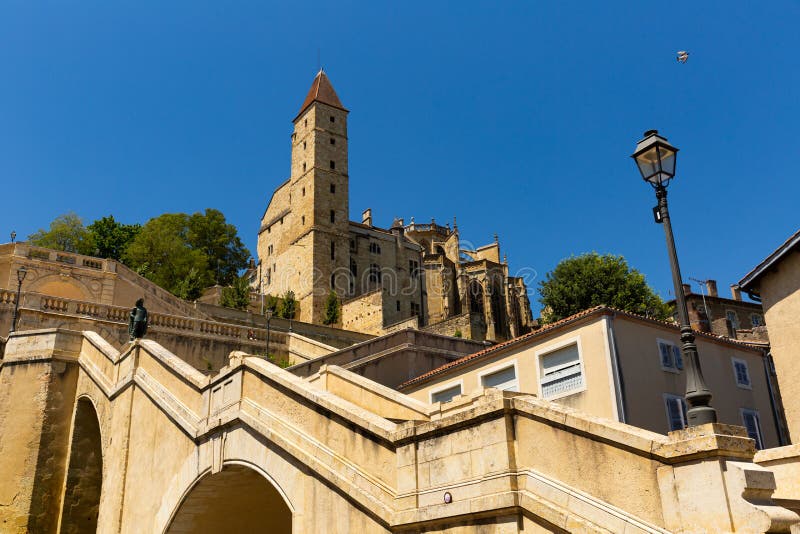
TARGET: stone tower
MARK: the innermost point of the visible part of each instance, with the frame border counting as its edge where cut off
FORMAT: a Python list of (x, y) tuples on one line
[(311, 208)]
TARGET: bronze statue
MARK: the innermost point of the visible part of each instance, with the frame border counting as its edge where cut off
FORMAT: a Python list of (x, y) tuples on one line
[(137, 324)]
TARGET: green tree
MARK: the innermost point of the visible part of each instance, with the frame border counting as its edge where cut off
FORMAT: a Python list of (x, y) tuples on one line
[(271, 302), (209, 233), (581, 282), (111, 237), (236, 296), (161, 252), (288, 305), (66, 233), (332, 308)]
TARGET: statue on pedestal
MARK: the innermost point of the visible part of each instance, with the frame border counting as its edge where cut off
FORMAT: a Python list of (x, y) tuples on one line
[(137, 324)]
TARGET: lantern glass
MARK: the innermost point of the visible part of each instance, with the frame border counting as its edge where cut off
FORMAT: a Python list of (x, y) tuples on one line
[(655, 158), (21, 273)]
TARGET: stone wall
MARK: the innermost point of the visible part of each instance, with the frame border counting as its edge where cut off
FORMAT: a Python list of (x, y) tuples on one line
[(364, 313), (470, 325)]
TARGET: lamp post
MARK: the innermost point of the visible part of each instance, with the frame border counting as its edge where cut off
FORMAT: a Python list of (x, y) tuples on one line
[(21, 273), (268, 315), (655, 158)]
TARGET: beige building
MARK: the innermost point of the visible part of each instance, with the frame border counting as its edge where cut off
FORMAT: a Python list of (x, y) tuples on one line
[(404, 276), (619, 366), (776, 283)]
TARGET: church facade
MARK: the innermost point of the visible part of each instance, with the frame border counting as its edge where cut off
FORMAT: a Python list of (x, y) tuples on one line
[(414, 275)]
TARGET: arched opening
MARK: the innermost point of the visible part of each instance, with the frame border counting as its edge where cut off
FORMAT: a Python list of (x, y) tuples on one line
[(475, 296), (237, 499), (84, 474)]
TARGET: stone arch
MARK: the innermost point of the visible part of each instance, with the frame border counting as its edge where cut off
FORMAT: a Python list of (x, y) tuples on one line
[(84, 480), (238, 498), (56, 285)]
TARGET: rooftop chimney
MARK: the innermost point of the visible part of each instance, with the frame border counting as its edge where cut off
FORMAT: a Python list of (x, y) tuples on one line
[(711, 288), (687, 289), (736, 292), (366, 217)]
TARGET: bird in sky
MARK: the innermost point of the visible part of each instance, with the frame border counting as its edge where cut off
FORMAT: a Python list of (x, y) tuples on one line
[(683, 55)]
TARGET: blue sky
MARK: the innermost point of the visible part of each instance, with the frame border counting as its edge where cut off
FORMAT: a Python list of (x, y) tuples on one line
[(517, 117)]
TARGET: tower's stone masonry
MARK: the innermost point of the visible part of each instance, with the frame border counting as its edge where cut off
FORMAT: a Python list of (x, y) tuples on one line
[(384, 277)]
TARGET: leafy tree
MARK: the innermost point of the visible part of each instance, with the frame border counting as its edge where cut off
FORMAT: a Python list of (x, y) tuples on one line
[(591, 279), (66, 233), (271, 302), (332, 308), (288, 305), (236, 296), (161, 252), (209, 233), (111, 237)]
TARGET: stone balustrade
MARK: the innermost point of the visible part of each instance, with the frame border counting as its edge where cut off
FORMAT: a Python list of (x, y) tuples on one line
[(69, 258), (119, 314)]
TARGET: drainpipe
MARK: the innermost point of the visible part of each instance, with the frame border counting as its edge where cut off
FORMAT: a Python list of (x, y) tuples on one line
[(616, 369)]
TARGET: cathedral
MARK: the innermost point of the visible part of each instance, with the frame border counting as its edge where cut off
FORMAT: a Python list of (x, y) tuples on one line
[(407, 276)]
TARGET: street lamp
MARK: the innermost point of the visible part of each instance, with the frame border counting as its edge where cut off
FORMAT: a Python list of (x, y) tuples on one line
[(21, 273), (268, 315), (655, 158)]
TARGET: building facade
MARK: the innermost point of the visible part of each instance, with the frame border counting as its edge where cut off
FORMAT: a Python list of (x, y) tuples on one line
[(407, 275), (776, 283), (618, 366)]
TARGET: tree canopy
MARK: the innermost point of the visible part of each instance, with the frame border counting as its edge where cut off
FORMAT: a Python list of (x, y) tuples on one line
[(182, 253), (66, 233), (111, 237), (236, 296), (582, 282)]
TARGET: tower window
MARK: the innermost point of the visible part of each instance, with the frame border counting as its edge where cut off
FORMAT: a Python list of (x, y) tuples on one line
[(333, 250), (398, 305), (333, 119), (305, 122), (353, 246), (333, 216), (304, 145), (333, 164), (333, 141), (374, 272), (303, 219), (304, 191), (333, 188), (374, 248), (304, 167)]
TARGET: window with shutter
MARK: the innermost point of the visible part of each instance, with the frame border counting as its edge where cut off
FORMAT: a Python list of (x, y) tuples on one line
[(504, 379), (677, 356), (676, 411), (561, 372), (670, 355), (751, 422), (446, 395), (741, 373)]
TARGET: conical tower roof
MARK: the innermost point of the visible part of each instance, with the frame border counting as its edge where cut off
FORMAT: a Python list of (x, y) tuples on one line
[(321, 91)]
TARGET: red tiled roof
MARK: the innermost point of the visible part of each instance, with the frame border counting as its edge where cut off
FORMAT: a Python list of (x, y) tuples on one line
[(597, 310), (321, 91)]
